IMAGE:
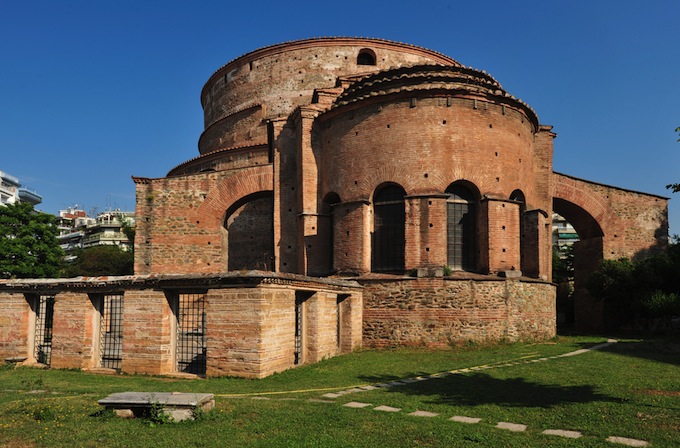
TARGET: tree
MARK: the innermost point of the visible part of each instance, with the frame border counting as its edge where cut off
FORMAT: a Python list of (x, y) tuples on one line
[(28, 243), (101, 260), (675, 187), (647, 288)]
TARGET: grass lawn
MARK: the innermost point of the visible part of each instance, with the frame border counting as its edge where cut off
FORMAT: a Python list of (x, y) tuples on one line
[(629, 389)]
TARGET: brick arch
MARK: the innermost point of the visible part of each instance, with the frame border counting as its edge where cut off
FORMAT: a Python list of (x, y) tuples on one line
[(581, 204), (228, 191)]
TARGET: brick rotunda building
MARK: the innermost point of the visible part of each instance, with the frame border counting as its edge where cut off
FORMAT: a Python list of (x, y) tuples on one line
[(390, 164)]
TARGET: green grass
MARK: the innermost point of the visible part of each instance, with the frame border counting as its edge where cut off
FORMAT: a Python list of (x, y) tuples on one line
[(631, 389)]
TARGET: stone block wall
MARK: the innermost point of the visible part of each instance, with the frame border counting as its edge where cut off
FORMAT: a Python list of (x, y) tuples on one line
[(249, 321), (445, 311)]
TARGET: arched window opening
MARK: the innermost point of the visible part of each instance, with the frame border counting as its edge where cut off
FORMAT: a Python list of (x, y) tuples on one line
[(461, 227), (366, 57), (518, 196), (389, 217), (250, 233)]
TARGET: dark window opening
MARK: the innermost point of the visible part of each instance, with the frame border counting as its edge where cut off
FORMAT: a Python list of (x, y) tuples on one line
[(461, 232), (44, 319), (366, 57), (388, 229), (111, 332), (191, 333)]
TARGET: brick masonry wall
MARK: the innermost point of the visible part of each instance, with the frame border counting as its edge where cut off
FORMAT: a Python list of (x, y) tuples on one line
[(72, 337), (148, 333), (488, 145), (284, 78), (440, 312), (14, 325), (250, 322), (180, 220), (634, 224)]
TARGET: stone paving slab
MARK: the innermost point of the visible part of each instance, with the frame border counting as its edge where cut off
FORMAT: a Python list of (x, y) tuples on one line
[(514, 427), (463, 419), (353, 390), (331, 395), (356, 404), (563, 433), (368, 387), (423, 414), (627, 441), (386, 409), (260, 398)]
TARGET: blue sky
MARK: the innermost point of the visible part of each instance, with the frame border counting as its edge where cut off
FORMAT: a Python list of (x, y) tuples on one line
[(93, 92)]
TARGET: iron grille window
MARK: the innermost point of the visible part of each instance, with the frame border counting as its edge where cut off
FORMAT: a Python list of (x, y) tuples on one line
[(460, 217), (388, 229), (299, 302), (191, 334), (111, 332), (300, 298), (44, 318)]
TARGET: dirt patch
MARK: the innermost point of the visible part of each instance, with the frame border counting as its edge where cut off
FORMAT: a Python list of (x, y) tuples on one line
[(665, 393)]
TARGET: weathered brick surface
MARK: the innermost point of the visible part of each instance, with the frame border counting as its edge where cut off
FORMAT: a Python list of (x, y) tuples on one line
[(439, 312), (73, 326), (148, 330), (250, 321), (632, 224), (14, 325)]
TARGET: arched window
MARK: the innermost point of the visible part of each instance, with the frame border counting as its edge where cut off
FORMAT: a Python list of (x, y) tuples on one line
[(366, 57), (389, 216), (461, 227)]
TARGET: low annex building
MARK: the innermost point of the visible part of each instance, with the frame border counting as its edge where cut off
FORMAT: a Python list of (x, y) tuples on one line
[(389, 165)]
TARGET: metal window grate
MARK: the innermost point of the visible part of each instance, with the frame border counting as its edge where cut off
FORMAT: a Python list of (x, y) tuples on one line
[(111, 332), (191, 335), (461, 235), (389, 229), (44, 318), (299, 302)]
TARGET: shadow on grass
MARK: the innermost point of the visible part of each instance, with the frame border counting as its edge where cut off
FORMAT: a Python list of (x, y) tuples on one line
[(660, 350), (481, 389)]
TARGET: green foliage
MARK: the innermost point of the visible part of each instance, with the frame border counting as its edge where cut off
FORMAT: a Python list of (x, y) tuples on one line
[(563, 263), (157, 415), (674, 187), (28, 243), (446, 270), (645, 288), (101, 260)]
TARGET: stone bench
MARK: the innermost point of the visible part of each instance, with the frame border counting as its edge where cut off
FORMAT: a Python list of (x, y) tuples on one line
[(177, 406)]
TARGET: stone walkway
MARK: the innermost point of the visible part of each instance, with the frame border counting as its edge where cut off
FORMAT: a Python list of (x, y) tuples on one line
[(507, 426)]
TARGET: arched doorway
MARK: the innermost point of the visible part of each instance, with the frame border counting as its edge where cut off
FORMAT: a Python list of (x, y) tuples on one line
[(587, 255)]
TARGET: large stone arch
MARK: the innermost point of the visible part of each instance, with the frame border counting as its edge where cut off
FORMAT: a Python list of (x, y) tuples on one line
[(612, 223), (588, 253), (230, 190)]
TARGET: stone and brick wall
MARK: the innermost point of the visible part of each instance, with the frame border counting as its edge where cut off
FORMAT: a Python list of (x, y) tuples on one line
[(250, 321), (446, 311)]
